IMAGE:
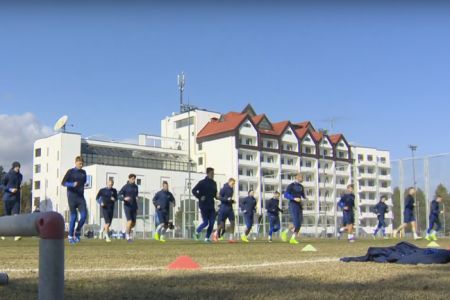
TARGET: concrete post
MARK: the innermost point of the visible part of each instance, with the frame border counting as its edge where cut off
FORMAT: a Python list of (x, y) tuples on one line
[(49, 226)]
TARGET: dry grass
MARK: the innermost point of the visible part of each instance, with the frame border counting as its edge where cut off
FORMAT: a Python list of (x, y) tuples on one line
[(319, 280)]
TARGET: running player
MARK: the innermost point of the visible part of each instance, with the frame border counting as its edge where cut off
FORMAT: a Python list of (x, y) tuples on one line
[(295, 192), (74, 180), (248, 207), (11, 192), (129, 193), (273, 211), (162, 201), (408, 214), (347, 203), (435, 211), (381, 209), (206, 192), (107, 198), (226, 211)]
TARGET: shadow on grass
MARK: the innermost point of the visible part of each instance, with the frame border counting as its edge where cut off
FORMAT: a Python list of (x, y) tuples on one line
[(247, 285)]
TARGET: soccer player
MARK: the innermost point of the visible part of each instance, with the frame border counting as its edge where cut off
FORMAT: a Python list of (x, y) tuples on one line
[(295, 192), (273, 211), (107, 198), (347, 203), (74, 180), (226, 211), (162, 201), (248, 207), (130, 193), (435, 211), (408, 214), (381, 209), (11, 192), (206, 191)]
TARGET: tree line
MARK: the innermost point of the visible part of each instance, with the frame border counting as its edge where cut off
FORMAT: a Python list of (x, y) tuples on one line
[(421, 206)]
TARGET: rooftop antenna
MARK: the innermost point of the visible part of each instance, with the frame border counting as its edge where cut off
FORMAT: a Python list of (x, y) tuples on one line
[(181, 81), (61, 124)]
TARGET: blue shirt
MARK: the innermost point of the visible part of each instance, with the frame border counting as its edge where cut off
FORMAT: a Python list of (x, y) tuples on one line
[(107, 196), (435, 210), (347, 200), (163, 199), (295, 190), (381, 209), (272, 206), (12, 180), (206, 192), (72, 176), (248, 205), (132, 191), (226, 195), (409, 203)]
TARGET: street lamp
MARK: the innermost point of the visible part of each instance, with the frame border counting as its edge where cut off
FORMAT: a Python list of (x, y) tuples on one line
[(413, 150)]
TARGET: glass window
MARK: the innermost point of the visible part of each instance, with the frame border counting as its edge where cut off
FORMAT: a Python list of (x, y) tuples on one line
[(37, 185), (37, 169), (38, 152)]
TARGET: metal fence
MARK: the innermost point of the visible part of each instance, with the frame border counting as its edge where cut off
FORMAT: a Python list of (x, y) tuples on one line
[(430, 175)]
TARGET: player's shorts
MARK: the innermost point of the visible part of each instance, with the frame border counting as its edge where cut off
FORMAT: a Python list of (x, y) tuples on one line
[(348, 218), (248, 218), (11, 207), (163, 216), (108, 213), (408, 216), (226, 213), (130, 213)]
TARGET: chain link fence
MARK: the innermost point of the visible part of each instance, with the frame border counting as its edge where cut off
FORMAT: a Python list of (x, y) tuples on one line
[(431, 177)]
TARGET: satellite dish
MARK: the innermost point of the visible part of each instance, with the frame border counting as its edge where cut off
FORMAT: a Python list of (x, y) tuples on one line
[(61, 124)]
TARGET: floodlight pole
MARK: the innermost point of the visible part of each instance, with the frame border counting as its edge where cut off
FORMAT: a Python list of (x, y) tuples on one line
[(413, 149)]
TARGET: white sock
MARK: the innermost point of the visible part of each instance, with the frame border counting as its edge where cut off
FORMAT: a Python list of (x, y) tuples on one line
[(350, 236)]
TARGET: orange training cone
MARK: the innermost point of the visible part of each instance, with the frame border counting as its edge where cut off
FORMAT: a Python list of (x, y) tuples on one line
[(183, 263)]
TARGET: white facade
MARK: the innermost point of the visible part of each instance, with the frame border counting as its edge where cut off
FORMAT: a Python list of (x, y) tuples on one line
[(54, 155), (372, 177)]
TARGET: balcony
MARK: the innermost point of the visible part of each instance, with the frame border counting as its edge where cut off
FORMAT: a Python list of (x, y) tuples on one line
[(305, 169), (367, 188), (387, 190), (250, 163), (248, 178), (310, 184), (270, 165), (271, 180), (366, 215), (292, 167)]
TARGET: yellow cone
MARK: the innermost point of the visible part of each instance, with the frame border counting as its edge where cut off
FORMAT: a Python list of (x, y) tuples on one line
[(433, 245), (309, 248)]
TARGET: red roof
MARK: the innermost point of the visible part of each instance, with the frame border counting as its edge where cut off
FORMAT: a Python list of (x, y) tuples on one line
[(257, 119), (301, 132), (335, 138), (229, 123), (232, 120), (317, 136)]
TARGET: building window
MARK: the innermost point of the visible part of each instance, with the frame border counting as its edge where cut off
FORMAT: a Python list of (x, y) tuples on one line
[(369, 157), (249, 142), (37, 201), (249, 157), (38, 152), (184, 122), (383, 160), (200, 147), (240, 156), (240, 172), (360, 157), (250, 173), (37, 169), (37, 185), (384, 172), (269, 144), (139, 181), (248, 125), (200, 161)]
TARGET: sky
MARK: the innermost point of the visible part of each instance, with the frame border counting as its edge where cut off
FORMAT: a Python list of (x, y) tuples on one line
[(380, 68)]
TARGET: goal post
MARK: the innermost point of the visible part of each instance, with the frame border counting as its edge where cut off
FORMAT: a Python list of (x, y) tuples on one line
[(49, 226)]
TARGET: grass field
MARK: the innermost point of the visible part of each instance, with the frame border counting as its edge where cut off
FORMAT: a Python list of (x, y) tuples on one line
[(96, 270)]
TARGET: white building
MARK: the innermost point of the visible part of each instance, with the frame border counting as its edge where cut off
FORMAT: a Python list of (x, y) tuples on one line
[(54, 155), (260, 155), (372, 174)]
